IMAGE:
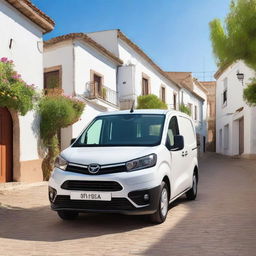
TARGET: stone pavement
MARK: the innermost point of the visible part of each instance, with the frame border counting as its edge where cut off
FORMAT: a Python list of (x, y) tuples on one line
[(222, 221)]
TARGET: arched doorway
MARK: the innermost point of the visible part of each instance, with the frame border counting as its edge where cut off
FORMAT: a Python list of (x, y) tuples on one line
[(6, 133)]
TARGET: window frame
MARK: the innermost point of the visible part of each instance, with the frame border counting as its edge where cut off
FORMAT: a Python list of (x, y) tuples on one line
[(145, 77), (163, 93), (50, 70)]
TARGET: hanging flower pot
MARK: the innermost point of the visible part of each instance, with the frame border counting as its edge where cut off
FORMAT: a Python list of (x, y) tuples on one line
[(14, 92)]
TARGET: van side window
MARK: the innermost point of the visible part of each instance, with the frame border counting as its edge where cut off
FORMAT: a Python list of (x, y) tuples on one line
[(173, 129)]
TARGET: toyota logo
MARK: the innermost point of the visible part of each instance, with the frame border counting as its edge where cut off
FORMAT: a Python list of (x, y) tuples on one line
[(93, 168)]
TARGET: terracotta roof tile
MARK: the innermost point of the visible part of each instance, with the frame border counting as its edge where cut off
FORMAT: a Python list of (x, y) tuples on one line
[(123, 37), (186, 80), (33, 13), (86, 39)]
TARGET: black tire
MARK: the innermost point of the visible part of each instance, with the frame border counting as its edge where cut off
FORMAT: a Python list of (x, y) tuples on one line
[(192, 193), (67, 215), (160, 215)]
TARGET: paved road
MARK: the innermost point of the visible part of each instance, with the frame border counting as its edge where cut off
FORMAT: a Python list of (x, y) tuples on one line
[(222, 221)]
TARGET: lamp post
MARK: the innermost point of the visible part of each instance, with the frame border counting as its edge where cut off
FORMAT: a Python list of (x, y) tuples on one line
[(240, 77)]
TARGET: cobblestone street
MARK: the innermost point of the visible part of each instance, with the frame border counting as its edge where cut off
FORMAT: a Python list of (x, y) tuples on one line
[(222, 221)]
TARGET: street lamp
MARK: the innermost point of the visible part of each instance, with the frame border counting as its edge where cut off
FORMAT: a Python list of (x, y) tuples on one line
[(240, 77)]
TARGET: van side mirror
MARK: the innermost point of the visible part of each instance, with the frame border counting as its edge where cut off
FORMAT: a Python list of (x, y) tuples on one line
[(178, 143), (72, 141)]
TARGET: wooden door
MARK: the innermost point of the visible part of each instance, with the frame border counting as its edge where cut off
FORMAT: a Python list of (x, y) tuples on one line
[(241, 136), (6, 131), (98, 85)]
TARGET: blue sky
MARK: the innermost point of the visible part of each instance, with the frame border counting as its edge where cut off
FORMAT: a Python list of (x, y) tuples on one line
[(174, 33)]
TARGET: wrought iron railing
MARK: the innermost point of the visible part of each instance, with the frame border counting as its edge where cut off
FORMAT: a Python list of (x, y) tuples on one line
[(95, 91)]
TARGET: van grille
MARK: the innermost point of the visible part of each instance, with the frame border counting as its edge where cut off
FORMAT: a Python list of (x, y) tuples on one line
[(89, 185), (115, 204), (107, 170)]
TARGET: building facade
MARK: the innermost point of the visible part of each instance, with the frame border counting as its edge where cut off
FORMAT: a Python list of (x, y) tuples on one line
[(22, 28), (79, 66), (211, 98), (235, 120), (139, 74), (194, 96)]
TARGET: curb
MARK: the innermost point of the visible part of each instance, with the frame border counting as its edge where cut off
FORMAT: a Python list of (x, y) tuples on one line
[(20, 185)]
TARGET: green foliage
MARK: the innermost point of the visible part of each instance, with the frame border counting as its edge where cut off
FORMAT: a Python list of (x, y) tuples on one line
[(185, 109), (150, 101), (104, 93), (14, 92), (236, 39), (250, 93), (56, 112)]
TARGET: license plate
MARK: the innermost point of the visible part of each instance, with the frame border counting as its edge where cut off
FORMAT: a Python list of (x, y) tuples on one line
[(93, 196)]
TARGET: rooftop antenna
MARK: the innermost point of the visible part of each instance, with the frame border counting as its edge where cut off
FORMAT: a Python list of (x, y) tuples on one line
[(132, 108)]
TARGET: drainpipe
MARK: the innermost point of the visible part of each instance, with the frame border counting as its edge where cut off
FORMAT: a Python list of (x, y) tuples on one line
[(73, 64)]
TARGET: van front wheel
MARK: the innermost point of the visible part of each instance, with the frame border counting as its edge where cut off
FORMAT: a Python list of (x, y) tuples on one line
[(160, 215)]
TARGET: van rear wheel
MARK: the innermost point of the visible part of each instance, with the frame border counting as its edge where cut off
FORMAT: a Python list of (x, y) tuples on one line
[(192, 193), (67, 215), (160, 215)]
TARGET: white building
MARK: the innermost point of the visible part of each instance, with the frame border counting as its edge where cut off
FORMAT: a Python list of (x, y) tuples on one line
[(194, 95), (235, 120), (79, 66), (22, 26), (139, 75)]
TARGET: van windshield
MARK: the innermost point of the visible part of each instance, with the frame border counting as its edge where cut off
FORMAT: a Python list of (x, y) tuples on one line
[(123, 130)]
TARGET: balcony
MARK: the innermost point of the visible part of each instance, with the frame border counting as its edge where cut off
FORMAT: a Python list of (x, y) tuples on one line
[(95, 91)]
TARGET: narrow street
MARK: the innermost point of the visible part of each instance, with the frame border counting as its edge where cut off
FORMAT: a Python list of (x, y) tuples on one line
[(222, 221)]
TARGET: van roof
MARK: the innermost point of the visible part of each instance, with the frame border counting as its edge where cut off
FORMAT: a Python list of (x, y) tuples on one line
[(140, 111)]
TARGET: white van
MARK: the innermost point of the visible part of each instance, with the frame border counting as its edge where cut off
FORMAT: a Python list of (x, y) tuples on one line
[(130, 162)]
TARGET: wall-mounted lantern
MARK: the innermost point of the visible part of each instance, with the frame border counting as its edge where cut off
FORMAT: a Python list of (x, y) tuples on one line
[(240, 77)]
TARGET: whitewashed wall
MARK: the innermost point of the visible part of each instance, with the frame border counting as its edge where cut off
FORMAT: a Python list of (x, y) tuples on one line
[(130, 57), (61, 54), (86, 59), (107, 39), (228, 115), (28, 62)]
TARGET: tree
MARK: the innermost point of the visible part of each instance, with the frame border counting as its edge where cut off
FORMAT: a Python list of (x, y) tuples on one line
[(183, 108), (56, 112), (236, 39), (150, 101)]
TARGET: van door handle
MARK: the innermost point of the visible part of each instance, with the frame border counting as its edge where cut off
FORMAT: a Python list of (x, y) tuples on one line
[(184, 153)]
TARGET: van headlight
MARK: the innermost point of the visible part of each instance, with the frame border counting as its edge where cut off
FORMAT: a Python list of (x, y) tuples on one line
[(60, 163), (141, 163)]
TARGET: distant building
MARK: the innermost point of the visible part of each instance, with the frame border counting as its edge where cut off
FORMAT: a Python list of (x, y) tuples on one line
[(211, 101), (193, 95), (235, 120), (22, 28)]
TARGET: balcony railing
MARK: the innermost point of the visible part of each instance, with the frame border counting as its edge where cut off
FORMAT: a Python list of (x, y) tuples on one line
[(95, 91)]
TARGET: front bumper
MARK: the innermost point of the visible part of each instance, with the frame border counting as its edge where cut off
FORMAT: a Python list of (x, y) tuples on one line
[(127, 191), (134, 204)]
